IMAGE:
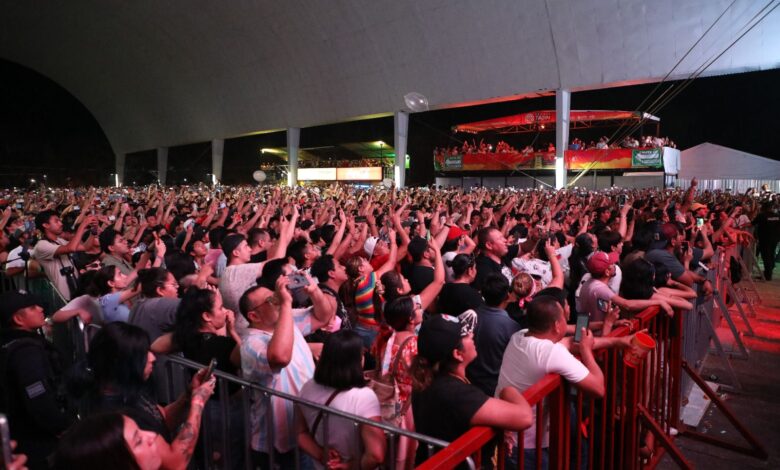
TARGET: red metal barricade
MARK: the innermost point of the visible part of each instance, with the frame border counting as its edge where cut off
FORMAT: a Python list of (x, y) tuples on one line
[(629, 427)]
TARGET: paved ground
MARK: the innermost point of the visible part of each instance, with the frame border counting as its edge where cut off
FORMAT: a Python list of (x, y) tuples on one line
[(757, 405)]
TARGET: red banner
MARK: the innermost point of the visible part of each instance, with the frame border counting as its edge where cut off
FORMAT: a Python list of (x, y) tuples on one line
[(596, 159)]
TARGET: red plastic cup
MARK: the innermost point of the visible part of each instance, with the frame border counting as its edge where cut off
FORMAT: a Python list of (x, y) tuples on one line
[(641, 344)]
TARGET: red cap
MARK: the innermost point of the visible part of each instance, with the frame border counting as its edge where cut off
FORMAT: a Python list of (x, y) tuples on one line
[(455, 233), (598, 263)]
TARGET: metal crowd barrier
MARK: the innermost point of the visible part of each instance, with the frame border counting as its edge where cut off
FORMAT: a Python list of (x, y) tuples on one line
[(605, 433), (222, 424)]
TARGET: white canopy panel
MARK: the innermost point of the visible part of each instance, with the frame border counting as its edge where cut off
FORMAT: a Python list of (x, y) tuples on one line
[(714, 162), (161, 73)]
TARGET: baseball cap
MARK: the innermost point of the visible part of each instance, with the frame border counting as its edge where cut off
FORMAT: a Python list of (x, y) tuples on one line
[(598, 263), (455, 233), (12, 302), (369, 245), (663, 234), (440, 334)]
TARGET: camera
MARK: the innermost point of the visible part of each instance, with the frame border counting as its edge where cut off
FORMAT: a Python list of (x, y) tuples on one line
[(67, 271)]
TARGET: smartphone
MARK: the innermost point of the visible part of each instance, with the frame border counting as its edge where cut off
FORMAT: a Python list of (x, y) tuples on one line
[(222, 205), (5, 435), (583, 320), (360, 219), (603, 305), (210, 368), (297, 280), (685, 246), (699, 222), (622, 199)]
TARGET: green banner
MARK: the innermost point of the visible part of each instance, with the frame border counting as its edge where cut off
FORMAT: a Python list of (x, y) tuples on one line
[(646, 158), (453, 162)]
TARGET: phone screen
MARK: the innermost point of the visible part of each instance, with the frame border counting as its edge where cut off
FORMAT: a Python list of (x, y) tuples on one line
[(582, 322), (603, 305), (699, 221), (210, 368)]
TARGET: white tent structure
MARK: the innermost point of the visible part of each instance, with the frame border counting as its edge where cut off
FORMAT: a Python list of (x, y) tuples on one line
[(718, 167)]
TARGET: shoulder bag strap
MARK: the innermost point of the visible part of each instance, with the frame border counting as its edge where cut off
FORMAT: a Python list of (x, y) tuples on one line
[(317, 420), (398, 354)]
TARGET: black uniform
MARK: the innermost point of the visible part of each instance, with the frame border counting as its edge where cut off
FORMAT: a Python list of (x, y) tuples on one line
[(31, 394), (767, 225)]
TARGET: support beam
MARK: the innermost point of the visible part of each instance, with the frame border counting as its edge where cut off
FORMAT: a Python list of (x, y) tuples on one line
[(293, 145), (162, 165), (217, 153), (401, 126), (119, 169), (562, 110)]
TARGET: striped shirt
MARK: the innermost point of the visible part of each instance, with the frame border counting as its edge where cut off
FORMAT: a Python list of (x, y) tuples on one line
[(255, 368), (364, 300)]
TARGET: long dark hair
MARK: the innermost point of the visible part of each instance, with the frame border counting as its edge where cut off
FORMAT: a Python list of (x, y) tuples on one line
[(189, 315), (423, 371), (117, 358), (638, 280), (95, 443), (151, 279), (99, 285), (340, 364)]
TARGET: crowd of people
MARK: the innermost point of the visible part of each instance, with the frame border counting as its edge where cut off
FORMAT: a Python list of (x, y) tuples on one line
[(460, 300), (576, 144)]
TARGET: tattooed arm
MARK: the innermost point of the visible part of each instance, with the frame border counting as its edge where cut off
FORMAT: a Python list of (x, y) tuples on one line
[(178, 453)]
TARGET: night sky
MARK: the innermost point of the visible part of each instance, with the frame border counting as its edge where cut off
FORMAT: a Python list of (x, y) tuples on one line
[(45, 130)]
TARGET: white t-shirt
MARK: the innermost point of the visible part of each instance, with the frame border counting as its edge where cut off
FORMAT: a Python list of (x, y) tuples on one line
[(235, 281), (448, 256), (527, 360), (44, 253), (341, 432)]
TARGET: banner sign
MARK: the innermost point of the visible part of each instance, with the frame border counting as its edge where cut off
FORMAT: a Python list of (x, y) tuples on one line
[(373, 173), (503, 161), (597, 159)]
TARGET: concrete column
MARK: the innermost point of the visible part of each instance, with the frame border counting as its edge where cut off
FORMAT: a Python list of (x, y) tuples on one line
[(119, 169), (217, 153), (562, 110), (401, 125), (293, 144), (162, 165)]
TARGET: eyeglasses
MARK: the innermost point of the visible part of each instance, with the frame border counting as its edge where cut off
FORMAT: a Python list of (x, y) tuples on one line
[(271, 299)]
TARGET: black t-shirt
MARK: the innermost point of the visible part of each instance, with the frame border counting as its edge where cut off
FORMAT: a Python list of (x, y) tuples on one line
[(259, 257), (455, 298), (444, 410), (204, 346), (491, 335), (420, 277), (767, 227), (485, 267), (518, 314)]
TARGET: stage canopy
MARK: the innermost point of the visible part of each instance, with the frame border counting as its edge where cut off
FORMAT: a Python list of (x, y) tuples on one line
[(535, 121), (709, 161)]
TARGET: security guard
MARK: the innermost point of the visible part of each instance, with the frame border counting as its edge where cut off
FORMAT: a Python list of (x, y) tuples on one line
[(767, 225), (30, 380)]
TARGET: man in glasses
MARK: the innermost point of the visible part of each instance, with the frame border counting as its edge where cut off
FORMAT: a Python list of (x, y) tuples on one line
[(275, 354)]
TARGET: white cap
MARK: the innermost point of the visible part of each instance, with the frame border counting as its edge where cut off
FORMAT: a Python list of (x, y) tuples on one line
[(369, 245)]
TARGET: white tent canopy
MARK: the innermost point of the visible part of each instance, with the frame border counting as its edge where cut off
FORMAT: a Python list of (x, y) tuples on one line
[(710, 161), (718, 167)]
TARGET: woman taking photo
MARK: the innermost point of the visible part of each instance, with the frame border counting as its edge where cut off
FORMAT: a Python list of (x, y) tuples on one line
[(205, 330), (339, 383), (120, 363)]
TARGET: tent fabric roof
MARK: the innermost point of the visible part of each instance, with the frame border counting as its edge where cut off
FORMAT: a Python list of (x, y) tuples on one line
[(709, 161), (545, 117), (158, 74)]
